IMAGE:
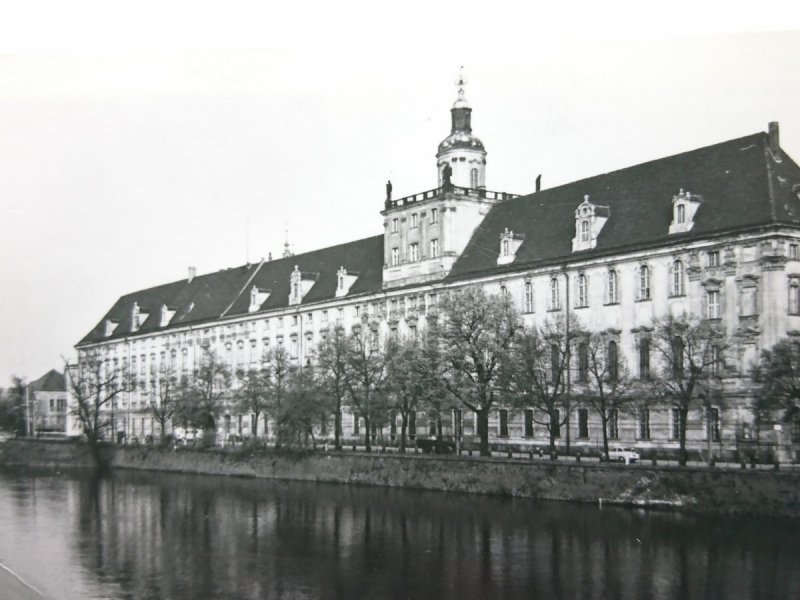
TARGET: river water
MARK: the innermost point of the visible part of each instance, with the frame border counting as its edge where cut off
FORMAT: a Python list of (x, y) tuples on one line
[(167, 536)]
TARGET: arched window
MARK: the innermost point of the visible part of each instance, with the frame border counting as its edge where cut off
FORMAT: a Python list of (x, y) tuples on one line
[(583, 362), (681, 213), (584, 231), (473, 178), (528, 297), (613, 296), (644, 282), (677, 279), (794, 297), (505, 247), (583, 291), (613, 361), (555, 302)]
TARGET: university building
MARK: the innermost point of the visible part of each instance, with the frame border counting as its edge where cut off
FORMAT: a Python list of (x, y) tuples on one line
[(713, 232)]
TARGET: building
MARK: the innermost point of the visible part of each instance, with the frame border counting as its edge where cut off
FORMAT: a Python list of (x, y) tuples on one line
[(714, 232), (47, 398)]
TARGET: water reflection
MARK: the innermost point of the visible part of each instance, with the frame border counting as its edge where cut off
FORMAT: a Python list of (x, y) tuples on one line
[(138, 535)]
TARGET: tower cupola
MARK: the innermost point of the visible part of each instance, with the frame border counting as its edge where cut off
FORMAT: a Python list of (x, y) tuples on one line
[(461, 159)]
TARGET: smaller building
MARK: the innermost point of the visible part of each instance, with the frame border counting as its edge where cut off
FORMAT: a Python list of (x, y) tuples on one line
[(48, 403)]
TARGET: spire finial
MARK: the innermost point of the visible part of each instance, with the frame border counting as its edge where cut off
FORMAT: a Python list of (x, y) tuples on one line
[(460, 82), (286, 251)]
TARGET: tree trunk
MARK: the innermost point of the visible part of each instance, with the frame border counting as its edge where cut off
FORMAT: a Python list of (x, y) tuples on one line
[(367, 434), (682, 455), (604, 420), (337, 425), (255, 425), (163, 436), (483, 431)]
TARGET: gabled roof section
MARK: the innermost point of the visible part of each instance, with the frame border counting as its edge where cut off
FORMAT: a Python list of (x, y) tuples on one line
[(741, 183), (52, 381), (227, 293)]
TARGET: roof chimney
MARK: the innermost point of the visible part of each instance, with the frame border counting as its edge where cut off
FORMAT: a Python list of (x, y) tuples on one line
[(539, 182), (774, 138), (192, 274)]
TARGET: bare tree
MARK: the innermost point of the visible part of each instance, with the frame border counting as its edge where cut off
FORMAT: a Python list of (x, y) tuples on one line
[(603, 383), (539, 372), (331, 372), (477, 331), (201, 399), (692, 354), (305, 408), (94, 386), (253, 394), (164, 397), (407, 381), (366, 377), (777, 375), (278, 367)]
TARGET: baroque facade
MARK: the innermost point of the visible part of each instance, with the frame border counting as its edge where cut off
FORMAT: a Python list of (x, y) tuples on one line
[(712, 232)]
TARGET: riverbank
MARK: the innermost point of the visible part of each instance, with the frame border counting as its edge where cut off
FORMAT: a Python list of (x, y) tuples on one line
[(701, 490)]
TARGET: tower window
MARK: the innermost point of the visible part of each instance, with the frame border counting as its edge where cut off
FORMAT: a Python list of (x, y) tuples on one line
[(394, 225), (434, 248), (395, 257), (473, 178), (414, 220), (794, 297), (434, 215)]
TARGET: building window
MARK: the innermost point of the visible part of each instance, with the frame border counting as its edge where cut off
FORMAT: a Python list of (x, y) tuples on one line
[(712, 304), (583, 291), (613, 295), (793, 252), (412, 331), (395, 257), (394, 225), (583, 423), (644, 358), (712, 414), (528, 297), (713, 258), (528, 416), (613, 361), (677, 278), (613, 424), (413, 252), (644, 282), (505, 248), (504, 291), (676, 423), (434, 248), (555, 366), (794, 297), (473, 178), (644, 424), (584, 231), (681, 213), (324, 316), (555, 301), (503, 422), (583, 362), (716, 360), (434, 215), (414, 220)]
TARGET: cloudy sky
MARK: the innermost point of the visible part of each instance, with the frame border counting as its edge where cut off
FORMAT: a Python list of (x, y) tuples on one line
[(139, 138)]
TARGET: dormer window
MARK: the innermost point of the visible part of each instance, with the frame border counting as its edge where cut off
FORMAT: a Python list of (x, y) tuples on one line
[(684, 207), (299, 285), (165, 316), (109, 327), (589, 221), (257, 298), (137, 317), (509, 244), (344, 281)]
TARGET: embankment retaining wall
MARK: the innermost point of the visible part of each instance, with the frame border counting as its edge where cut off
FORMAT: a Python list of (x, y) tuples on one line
[(692, 489)]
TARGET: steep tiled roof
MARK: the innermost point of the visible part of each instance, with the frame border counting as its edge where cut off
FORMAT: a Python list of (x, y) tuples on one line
[(52, 381), (227, 292), (740, 184)]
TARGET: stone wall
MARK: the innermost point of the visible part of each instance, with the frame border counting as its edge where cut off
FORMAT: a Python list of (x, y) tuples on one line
[(691, 489)]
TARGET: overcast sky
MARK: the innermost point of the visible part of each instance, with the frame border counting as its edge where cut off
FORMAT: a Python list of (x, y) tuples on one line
[(139, 138)]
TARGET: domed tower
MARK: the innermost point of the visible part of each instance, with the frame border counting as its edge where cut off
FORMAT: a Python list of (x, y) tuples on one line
[(461, 159)]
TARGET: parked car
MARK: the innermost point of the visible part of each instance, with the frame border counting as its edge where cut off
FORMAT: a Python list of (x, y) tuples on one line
[(626, 455)]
